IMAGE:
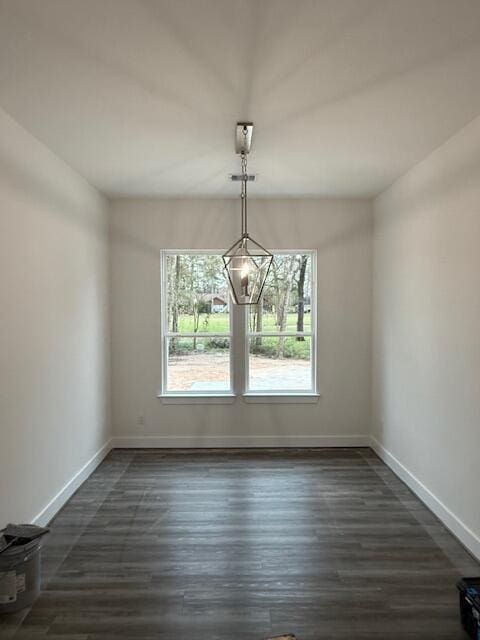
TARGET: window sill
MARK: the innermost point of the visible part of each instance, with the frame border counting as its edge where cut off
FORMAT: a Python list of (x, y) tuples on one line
[(280, 398), (174, 398), (249, 398)]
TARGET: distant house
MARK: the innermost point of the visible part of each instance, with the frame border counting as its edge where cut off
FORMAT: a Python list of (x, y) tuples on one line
[(218, 302)]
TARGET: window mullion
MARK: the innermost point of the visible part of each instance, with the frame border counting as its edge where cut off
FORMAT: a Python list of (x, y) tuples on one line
[(197, 335), (280, 334), (237, 346)]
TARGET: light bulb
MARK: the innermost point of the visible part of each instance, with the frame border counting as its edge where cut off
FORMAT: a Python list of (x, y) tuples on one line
[(245, 269), (244, 273)]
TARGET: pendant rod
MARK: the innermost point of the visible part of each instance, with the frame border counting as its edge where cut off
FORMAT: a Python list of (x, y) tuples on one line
[(242, 201), (244, 187), (245, 214)]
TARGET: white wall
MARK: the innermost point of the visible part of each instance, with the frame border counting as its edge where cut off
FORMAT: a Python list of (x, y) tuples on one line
[(339, 229), (426, 328), (54, 324)]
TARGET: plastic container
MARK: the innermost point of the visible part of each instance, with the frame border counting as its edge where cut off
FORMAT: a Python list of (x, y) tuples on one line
[(19, 576), (469, 589)]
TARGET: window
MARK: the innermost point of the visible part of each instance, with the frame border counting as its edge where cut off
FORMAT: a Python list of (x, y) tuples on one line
[(280, 329), (196, 323), (200, 327)]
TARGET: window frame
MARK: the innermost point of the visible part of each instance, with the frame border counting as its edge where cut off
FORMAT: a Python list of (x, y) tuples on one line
[(239, 337), (247, 391), (166, 334)]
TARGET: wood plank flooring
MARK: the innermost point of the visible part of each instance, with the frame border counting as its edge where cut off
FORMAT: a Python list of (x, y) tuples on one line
[(243, 544)]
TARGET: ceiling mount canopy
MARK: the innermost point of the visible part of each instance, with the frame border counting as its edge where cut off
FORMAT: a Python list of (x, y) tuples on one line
[(243, 137), (247, 263)]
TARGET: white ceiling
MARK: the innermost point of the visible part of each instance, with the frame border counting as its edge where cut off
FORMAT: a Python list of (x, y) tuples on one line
[(141, 96)]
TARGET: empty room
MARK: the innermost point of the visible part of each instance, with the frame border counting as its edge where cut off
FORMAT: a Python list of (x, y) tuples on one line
[(239, 319)]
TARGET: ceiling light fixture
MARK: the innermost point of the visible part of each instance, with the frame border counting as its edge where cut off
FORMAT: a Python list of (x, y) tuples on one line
[(247, 263)]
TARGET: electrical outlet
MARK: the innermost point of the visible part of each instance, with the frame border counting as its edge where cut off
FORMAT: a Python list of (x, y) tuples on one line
[(141, 420)]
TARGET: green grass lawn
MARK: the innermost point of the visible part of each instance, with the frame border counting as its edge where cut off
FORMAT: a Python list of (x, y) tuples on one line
[(292, 347), (218, 323)]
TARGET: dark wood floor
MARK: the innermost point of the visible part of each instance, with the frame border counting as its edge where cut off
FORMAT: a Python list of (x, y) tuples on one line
[(206, 545)]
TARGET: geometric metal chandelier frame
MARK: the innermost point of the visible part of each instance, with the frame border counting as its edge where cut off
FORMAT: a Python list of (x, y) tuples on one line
[(247, 263)]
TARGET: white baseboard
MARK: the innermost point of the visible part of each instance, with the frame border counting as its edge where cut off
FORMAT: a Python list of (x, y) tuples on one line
[(240, 442), (57, 502), (459, 529)]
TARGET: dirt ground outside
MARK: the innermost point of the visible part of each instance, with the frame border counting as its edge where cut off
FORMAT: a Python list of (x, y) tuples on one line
[(211, 372)]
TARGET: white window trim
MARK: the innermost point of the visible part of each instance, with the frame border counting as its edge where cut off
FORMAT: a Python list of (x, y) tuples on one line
[(190, 397), (287, 395), (239, 347)]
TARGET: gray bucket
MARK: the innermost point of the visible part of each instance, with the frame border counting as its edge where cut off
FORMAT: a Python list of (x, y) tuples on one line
[(19, 576)]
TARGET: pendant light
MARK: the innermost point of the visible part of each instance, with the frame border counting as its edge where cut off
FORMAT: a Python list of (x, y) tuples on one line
[(247, 263)]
